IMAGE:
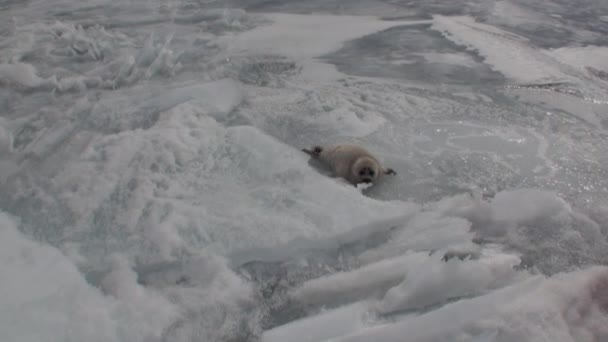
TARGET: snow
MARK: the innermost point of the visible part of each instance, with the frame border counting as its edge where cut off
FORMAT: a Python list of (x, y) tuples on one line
[(153, 187)]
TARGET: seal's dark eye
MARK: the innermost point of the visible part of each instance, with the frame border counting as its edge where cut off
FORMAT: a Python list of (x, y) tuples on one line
[(362, 172), (371, 172)]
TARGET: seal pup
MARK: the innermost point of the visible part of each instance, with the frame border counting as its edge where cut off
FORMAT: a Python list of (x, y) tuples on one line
[(351, 162)]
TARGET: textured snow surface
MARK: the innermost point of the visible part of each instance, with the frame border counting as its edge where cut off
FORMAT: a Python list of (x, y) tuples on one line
[(153, 188)]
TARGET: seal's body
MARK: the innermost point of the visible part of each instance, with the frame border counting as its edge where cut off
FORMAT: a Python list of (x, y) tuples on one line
[(351, 162)]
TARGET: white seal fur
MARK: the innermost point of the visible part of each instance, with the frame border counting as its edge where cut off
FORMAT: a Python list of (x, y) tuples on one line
[(351, 162)]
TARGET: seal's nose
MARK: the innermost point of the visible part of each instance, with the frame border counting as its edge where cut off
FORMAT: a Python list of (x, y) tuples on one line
[(366, 180)]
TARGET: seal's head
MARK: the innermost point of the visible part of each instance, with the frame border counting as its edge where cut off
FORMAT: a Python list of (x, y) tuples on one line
[(364, 170)]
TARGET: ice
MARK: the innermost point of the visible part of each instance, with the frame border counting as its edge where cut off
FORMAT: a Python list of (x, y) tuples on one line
[(6, 137), (153, 188), (215, 303), (150, 311), (21, 75), (180, 169), (7, 164), (588, 56), (45, 287), (585, 59), (433, 281), (322, 327), (188, 160), (524, 206), (414, 281), (344, 286), (538, 223), (520, 62), (421, 281), (533, 310), (297, 36), (451, 59), (510, 13), (41, 285), (517, 61)]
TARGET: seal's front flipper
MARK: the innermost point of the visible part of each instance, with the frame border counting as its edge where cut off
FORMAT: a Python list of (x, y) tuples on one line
[(316, 151), (390, 171)]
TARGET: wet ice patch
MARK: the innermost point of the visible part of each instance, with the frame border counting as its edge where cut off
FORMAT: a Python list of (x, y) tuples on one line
[(414, 53)]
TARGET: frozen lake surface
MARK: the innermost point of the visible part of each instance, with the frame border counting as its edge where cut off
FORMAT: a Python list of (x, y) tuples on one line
[(153, 188)]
